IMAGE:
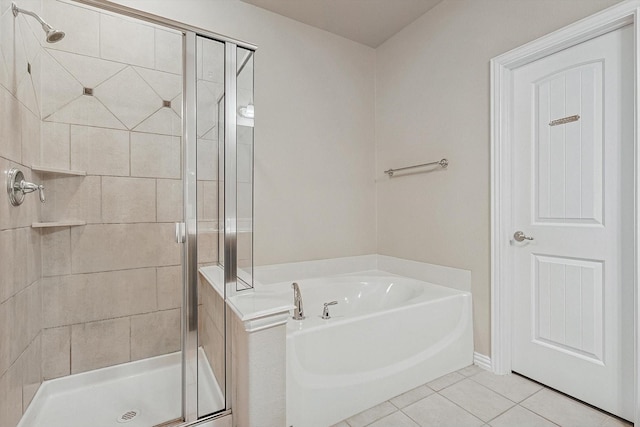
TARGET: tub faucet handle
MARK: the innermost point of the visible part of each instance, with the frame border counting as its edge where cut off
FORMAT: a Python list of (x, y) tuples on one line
[(325, 311)]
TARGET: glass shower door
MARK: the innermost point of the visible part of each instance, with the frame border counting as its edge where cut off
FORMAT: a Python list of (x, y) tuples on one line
[(109, 103), (138, 123), (210, 78), (224, 130)]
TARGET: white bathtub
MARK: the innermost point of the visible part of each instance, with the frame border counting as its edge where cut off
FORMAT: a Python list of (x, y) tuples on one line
[(387, 335)]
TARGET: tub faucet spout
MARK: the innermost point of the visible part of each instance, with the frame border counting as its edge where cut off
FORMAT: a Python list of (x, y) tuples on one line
[(298, 311)]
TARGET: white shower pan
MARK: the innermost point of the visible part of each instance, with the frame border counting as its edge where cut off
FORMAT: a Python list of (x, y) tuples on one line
[(135, 394)]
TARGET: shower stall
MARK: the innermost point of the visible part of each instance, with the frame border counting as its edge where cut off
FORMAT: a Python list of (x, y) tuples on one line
[(137, 131)]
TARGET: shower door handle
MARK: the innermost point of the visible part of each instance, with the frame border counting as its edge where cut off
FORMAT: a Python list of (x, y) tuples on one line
[(180, 232)]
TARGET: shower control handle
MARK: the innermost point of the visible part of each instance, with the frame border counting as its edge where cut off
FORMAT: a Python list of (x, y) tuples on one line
[(519, 236), (41, 192)]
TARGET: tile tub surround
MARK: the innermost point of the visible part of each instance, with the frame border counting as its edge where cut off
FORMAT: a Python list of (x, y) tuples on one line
[(111, 289), (20, 247), (475, 397), (258, 359), (113, 286), (211, 327)]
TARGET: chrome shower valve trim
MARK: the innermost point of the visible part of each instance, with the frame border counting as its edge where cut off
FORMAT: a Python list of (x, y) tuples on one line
[(17, 187)]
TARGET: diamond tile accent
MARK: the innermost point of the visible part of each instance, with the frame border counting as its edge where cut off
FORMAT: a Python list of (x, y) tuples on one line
[(166, 85), (128, 97), (90, 72), (176, 105), (61, 88), (86, 110), (165, 121)]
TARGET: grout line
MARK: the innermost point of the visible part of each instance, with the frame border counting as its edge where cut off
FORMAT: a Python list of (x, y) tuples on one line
[(540, 415), (463, 408), (124, 316), (498, 393)]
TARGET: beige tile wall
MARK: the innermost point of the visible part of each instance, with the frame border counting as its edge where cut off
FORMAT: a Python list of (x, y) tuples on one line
[(20, 249), (74, 299), (211, 328), (111, 288)]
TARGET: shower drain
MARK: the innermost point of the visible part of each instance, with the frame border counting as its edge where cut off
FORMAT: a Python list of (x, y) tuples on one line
[(128, 416)]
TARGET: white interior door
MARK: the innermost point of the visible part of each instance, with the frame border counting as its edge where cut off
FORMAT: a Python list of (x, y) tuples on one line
[(572, 192)]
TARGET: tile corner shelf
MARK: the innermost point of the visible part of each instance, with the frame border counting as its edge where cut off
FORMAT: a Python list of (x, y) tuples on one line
[(58, 224), (57, 171)]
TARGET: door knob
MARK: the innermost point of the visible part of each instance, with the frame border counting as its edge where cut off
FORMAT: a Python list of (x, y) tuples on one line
[(519, 236)]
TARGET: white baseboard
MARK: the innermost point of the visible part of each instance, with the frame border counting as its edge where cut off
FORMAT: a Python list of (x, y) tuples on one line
[(482, 361)]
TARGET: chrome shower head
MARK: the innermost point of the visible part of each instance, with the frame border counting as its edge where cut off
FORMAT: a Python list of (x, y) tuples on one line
[(52, 35)]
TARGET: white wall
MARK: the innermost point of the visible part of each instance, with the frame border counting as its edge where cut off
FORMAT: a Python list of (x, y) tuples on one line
[(432, 101), (315, 191), (314, 143)]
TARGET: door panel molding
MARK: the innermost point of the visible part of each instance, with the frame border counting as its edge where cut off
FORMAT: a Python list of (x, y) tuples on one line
[(502, 68)]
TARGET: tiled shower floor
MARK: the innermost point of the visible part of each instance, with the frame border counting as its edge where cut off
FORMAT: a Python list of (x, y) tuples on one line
[(149, 387), (474, 397)]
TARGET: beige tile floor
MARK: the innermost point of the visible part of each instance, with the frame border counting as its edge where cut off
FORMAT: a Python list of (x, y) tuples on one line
[(474, 397)]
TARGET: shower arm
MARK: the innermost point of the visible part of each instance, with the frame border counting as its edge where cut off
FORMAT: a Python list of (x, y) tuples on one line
[(16, 10)]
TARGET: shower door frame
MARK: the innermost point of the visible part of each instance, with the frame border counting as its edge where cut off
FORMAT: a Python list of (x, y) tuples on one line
[(189, 316)]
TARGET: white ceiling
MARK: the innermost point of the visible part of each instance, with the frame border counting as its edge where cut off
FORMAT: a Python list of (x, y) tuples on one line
[(370, 22)]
